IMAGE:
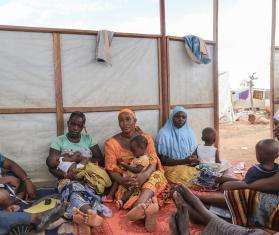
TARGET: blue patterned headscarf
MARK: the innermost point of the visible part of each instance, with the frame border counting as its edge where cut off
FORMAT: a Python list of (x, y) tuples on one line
[(176, 143)]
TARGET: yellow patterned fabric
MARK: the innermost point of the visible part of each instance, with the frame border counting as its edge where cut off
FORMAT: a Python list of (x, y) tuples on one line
[(181, 174), (95, 176)]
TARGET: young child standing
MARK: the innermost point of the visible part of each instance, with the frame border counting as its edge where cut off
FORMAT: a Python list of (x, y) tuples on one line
[(207, 153), (266, 154)]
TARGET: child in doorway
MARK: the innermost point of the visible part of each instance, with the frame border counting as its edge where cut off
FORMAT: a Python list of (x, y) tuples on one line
[(138, 164), (266, 154)]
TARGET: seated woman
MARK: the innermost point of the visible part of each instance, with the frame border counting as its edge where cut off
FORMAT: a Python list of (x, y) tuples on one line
[(76, 194), (11, 177), (151, 181), (175, 144)]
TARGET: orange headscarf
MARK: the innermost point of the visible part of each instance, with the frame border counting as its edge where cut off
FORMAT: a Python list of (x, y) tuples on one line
[(129, 111)]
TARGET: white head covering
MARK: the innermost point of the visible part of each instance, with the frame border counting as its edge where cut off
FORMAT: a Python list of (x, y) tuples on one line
[(276, 116)]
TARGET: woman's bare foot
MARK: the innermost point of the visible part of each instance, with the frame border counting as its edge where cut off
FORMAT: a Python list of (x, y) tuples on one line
[(172, 225), (182, 215), (107, 199), (119, 204), (151, 216), (137, 212), (198, 211), (94, 220), (90, 218)]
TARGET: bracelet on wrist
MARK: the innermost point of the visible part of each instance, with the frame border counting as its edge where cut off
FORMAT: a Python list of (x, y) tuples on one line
[(26, 178)]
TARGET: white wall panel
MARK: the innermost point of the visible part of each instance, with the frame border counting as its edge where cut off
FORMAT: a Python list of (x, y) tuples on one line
[(25, 138), (276, 75), (190, 83), (199, 119), (26, 70), (103, 125), (131, 79)]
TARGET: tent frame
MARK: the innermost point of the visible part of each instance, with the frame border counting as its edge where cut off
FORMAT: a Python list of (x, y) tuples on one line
[(163, 72)]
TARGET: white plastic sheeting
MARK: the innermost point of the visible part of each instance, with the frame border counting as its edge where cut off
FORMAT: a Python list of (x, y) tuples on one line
[(226, 113), (276, 76), (131, 79), (25, 138), (103, 125), (26, 70), (190, 83)]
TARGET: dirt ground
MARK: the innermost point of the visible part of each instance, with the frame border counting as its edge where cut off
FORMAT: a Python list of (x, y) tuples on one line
[(237, 140)]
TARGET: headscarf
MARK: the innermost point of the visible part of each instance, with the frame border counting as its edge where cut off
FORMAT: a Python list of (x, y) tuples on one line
[(129, 111), (176, 143), (132, 114), (276, 116)]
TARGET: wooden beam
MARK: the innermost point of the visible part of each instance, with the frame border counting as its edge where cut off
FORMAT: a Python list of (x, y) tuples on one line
[(181, 39), (72, 31), (17, 110), (110, 108), (164, 64), (58, 84), (215, 69), (195, 106), (272, 53), (26, 110), (160, 81)]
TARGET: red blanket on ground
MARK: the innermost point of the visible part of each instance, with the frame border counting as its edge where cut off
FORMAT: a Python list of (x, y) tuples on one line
[(120, 225)]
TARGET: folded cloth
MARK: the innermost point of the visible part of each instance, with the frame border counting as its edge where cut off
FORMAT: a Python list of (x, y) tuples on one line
[(94, 176), (104, 39), (196, 49)]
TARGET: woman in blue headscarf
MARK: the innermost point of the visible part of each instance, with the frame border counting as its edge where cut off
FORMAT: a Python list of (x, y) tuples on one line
[(175, 144)]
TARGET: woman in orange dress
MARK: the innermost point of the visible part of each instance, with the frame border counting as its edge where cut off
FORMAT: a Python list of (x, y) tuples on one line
[(151, 182)]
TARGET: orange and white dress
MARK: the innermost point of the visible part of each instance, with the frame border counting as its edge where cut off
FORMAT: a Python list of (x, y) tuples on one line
[(114, 151)]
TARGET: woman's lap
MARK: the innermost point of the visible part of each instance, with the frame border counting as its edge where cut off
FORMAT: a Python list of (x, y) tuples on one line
[(156, 183), (180, 174)]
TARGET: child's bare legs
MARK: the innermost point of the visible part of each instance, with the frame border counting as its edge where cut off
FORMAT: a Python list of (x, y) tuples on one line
[(151, 212), (111, 194), (138, 210), (145, 196), (85, 215), (125, 197)]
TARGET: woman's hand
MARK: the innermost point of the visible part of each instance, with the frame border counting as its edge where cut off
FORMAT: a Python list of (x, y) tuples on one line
[(30, 189), (193, 160)]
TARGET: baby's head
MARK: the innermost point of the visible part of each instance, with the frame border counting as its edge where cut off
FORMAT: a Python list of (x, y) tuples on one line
[(209, 135), (138, 145), (53, 162), (267, 151)]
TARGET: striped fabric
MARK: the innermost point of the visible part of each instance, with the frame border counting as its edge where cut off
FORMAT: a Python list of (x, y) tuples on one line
[(251, 208)]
